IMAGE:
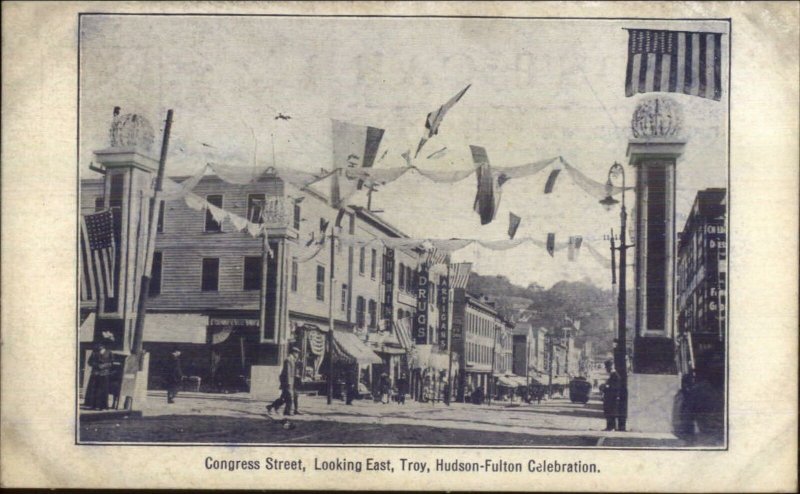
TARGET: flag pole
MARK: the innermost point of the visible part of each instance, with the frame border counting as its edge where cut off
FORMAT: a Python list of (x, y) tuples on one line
[(331, 322), (449, 334)]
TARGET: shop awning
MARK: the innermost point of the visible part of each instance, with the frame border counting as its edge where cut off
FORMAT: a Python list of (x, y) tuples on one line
[(386, 342), (430, 356), (349, 348), (175, 328), (511, 381)]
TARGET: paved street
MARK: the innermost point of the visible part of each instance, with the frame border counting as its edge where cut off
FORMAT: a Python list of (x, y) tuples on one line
[(209, 418)]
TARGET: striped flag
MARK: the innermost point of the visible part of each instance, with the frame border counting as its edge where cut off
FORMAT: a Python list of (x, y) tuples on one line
[(435, 256), (402, 329), (459, 274), (97, 256), (487, 197), (675, 62)]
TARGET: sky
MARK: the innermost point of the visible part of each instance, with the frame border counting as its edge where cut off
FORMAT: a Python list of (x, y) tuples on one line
[(540, 88)]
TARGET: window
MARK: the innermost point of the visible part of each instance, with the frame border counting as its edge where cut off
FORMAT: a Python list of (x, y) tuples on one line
[(409, 279), (344, 298), (155, 277), (402, 272), (294, 274), (252, 273), (361, 260), (211, 223), (210, 274), (373, 314), (399, 314), (320, 283), (99, 204), (360, 308), (373, 264), (255, 207), (296, 217), (160, 224)]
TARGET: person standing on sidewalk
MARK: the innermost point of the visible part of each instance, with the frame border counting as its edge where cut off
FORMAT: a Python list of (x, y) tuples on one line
[(288, 379), (402, 389), (612, 390), (175, 376), (99, 381)]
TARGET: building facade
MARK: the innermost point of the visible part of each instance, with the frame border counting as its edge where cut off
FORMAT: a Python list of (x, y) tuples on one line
[(701, 283)]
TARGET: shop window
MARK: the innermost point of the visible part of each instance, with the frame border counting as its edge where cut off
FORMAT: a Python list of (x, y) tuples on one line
[(373, 314), (155, 277), (255, 208), (295, 267), (210, 275), (320, 283), (211, 224), (252, 273), (360, 312)]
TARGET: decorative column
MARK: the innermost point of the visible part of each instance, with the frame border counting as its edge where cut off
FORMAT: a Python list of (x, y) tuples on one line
[(129, 169)]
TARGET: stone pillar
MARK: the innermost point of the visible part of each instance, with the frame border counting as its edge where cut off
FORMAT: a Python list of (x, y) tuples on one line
[(654, 151), (130, 170)]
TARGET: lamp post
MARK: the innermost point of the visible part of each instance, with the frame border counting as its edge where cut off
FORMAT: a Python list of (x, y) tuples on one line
[(621, 349)]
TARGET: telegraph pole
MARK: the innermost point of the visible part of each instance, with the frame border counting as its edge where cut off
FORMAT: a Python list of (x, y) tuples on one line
[(331, 321), (449, 334), (491, 378)]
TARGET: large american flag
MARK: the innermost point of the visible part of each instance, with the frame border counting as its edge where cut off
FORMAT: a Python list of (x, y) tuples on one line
[(675, 62), (97, 256)]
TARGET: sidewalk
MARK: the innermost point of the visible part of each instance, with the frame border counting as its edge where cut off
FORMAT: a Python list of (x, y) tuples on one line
[(558, 418)]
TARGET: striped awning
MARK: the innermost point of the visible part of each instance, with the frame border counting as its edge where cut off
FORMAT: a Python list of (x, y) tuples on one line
[(349, 348)]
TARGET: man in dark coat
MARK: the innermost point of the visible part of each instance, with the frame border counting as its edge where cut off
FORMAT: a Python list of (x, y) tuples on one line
[(612, 394), (288, 379), (98, 389), (174, 375), (402, 389)]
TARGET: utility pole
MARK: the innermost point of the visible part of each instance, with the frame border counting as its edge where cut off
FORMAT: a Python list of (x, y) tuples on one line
[(549, 337), (494, 354), (331, 321)]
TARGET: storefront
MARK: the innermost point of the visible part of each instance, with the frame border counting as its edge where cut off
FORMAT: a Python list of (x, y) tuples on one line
[(234, 344), (354, 360)]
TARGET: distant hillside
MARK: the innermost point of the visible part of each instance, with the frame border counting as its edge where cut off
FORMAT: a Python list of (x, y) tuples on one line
[(578, 301)]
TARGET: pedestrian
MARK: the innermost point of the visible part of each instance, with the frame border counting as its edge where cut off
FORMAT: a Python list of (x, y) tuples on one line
[(174, 375), (384, 388), (402, 389), (288, 380), (351, 383), (612, 393), (99, 386)]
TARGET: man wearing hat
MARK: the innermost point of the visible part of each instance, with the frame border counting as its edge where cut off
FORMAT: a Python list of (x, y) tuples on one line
[(288, 380), (612, 391)]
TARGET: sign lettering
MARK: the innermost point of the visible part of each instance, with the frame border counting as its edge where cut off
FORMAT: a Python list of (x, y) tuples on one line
[(421, 319), (444, 304), (388, 285)]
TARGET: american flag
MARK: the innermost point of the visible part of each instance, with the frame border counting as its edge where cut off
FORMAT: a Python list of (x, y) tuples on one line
[(97, 256), (435, 256), (459, 274), (675, 62)]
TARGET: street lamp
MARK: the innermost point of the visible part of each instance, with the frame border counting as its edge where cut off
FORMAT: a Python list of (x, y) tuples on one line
[(621, 349)]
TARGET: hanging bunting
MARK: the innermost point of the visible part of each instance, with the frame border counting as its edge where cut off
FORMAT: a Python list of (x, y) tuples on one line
[(487, 197), (513, 224), (551, 243), (574, 247), (434, 118), (551, 180), (354, 147)]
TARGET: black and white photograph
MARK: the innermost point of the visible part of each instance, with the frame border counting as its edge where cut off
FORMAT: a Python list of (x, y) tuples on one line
[(326, 231), (399, 245)]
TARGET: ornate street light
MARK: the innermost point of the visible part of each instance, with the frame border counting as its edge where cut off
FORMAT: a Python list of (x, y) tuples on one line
[(621, 349)]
